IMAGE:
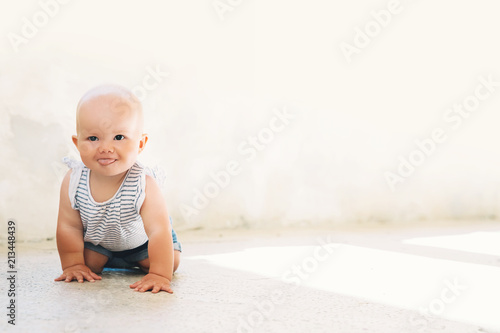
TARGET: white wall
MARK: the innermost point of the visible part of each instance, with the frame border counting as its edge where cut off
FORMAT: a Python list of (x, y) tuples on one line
[(229, 73)]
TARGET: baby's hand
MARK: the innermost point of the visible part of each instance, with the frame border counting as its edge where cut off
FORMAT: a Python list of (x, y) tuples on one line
[(79, 273), (152, 282)]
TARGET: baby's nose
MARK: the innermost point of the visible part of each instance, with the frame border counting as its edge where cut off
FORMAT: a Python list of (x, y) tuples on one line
[(106, 147)]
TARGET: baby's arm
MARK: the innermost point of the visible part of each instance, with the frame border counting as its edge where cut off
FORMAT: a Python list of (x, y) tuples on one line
[(70, 240), (160, 248)]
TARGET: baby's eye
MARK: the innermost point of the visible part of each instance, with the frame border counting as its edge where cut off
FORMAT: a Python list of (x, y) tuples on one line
[(119, 137), (93, 138)]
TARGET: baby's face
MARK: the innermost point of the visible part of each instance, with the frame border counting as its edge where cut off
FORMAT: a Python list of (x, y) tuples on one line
[(109, 134)]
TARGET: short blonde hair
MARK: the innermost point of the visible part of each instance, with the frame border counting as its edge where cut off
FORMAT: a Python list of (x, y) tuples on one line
[(112, 90)]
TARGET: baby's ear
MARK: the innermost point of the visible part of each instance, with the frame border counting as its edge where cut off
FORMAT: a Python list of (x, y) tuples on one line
[(75, 140), (142, 143)]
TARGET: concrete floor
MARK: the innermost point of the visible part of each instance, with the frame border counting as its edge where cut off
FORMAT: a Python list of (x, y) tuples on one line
[(366, 280)]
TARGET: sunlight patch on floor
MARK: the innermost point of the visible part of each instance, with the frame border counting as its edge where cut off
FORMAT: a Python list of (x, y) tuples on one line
[(453, 290), (475, 242)]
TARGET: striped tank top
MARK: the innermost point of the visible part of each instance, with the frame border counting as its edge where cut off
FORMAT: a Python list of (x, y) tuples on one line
[(116, 223)]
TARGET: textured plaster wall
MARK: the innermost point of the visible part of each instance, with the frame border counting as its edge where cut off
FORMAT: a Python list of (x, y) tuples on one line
[(263, 112)]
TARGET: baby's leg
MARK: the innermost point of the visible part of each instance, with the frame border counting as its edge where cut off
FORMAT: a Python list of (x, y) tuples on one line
[(94, 260), (144, 264)]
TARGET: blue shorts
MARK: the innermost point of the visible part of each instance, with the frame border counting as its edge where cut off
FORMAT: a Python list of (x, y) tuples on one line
[(128, 258)]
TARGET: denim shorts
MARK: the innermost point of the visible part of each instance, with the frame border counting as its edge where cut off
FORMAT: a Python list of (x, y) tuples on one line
[(128, 258)]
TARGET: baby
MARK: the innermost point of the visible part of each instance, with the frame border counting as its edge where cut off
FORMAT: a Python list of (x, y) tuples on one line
[(111, 212)]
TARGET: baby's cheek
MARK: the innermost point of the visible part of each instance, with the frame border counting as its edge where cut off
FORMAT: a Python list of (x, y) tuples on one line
[(133, 146), (84, 148)]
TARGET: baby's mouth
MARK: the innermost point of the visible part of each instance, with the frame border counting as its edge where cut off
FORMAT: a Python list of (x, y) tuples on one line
[(106, 161)]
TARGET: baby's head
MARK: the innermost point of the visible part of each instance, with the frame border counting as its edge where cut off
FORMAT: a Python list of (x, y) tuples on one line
[(109, 125)]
